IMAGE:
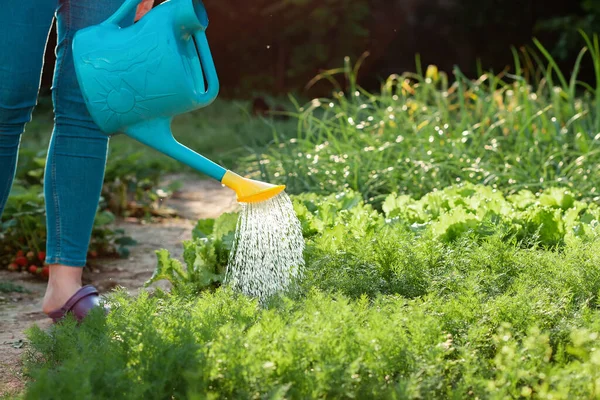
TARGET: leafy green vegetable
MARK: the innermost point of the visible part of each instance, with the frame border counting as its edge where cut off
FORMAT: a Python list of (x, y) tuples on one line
[(553, 215)]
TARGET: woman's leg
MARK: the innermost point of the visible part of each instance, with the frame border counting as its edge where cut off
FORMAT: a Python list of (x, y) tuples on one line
[(24, 27), (76, 159)]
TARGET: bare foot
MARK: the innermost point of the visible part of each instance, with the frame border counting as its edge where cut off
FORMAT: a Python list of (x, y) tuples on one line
[(64, 281)]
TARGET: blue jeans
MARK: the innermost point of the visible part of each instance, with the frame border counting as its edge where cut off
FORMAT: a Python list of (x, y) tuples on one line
[(77, 153)]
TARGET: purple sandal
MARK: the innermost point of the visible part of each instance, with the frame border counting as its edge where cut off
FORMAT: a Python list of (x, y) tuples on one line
[(79, 304)]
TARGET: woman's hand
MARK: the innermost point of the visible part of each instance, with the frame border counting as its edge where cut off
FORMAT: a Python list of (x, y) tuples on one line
[(143, 8)]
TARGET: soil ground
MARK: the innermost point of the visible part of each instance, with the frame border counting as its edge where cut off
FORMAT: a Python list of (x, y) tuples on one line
[(19, 311)]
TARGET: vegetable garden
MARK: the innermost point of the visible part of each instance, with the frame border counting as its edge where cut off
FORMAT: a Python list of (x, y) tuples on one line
[(452, 251)]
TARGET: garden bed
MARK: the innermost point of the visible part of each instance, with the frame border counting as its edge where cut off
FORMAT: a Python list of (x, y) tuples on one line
[(385, 311), (452, 251)]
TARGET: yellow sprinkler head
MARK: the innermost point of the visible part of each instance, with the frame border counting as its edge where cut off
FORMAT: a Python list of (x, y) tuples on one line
[(250, 191)]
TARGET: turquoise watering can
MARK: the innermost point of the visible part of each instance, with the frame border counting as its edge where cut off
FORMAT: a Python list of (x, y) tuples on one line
[(136, 78)]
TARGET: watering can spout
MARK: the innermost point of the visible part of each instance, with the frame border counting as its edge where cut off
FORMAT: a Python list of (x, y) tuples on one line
[(135, 79), (250, 191)]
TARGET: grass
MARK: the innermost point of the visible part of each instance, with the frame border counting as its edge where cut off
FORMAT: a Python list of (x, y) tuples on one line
[(531, 128)]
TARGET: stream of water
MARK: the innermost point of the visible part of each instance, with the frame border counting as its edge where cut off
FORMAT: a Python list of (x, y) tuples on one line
[(267, 257)]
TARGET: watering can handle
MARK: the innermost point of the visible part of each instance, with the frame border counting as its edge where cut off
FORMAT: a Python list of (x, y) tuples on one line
[(208, 66), (126, 8)]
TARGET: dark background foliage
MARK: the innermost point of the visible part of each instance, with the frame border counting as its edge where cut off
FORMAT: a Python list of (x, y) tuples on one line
[(276, 46)]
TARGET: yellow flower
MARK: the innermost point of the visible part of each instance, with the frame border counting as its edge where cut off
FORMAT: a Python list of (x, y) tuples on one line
[(432, 73)]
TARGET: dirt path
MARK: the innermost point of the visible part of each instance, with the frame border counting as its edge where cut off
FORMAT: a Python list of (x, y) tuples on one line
[(19, 311)]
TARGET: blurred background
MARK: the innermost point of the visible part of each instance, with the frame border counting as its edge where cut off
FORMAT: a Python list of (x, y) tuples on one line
[(275, 47)]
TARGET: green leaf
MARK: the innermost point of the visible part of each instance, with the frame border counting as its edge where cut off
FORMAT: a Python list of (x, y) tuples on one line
[(522, 200), (451, 225), (36, 173), (395, 206), (175, 186), (9, 224), (390, 205), (204, 267), (557, 198), (168, 268), (104, 218), (203, 264), (203, 229), (227, 241), (349, 200), (547, 223), (126, 241), (225, 224), (189, 252), (123, 252)]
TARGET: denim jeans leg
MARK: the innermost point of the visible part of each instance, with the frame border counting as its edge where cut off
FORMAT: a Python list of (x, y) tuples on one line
[(24, 27), (78, 149)]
